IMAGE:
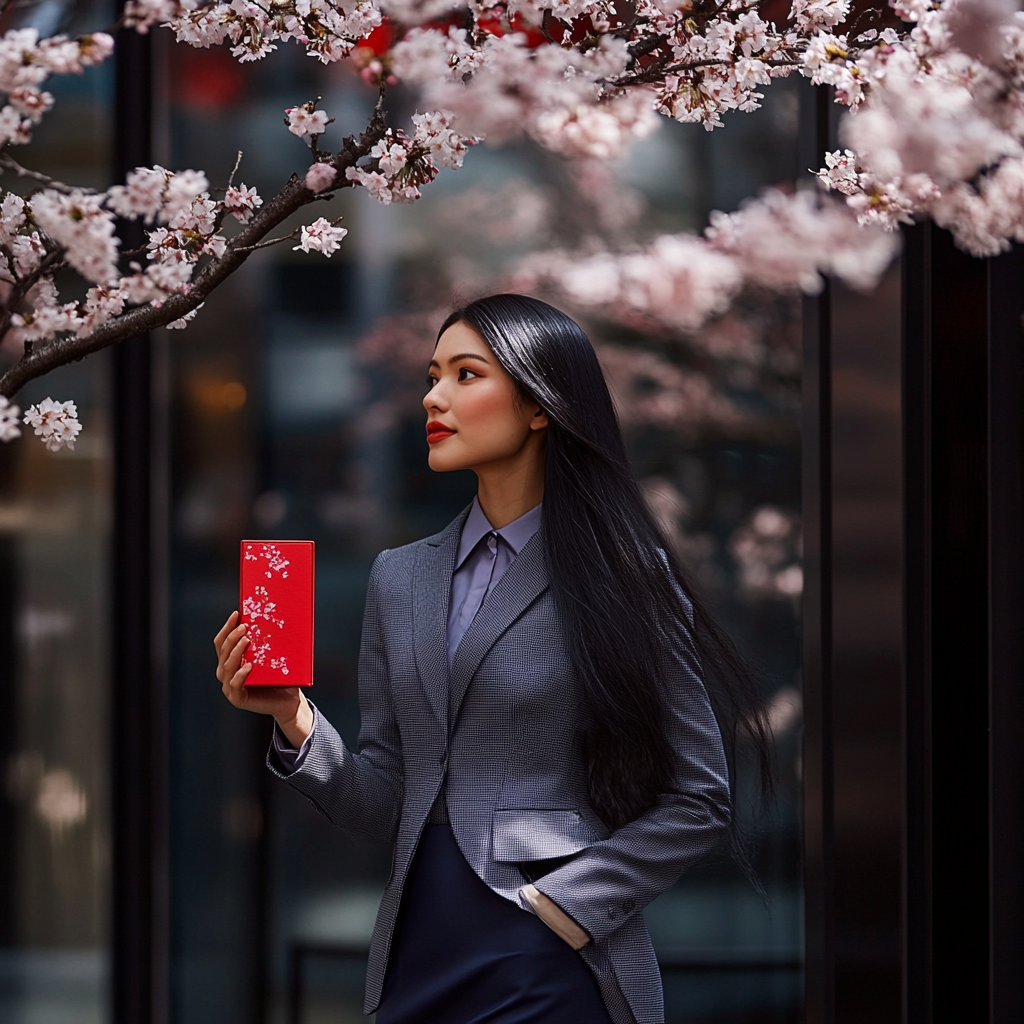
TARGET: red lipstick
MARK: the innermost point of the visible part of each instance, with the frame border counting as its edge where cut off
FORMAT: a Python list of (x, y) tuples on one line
[(437, 431)]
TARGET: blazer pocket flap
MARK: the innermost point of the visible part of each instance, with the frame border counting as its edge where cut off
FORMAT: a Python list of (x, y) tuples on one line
[(525, 835)]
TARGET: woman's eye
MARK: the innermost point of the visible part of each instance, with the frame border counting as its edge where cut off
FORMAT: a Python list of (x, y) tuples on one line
[(465, 373), (431, 382)]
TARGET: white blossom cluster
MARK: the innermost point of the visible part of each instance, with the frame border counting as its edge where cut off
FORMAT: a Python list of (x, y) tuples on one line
[(683, 280), (328, 30), (401, 165), (499, 86), (321, 236), (767, 550), (9, 419), (942, 131), (677, 278), (26, 62), (55, 422), (940, 100)]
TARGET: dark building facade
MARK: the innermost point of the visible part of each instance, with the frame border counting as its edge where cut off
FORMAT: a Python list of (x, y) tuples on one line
[(151, 870)]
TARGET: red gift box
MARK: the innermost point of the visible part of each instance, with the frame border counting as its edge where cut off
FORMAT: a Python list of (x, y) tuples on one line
[(275, 601)]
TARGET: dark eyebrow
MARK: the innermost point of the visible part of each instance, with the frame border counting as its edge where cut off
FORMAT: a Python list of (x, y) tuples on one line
[(463, 355)]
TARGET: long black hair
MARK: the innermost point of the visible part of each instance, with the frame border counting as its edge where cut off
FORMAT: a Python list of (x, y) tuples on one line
[(617, 586)]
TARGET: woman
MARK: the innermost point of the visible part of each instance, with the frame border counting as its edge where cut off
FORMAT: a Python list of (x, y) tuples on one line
[(536, 739)]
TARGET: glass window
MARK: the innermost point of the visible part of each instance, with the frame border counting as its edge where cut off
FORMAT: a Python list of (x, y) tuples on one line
[(297, 415), (55, 511)]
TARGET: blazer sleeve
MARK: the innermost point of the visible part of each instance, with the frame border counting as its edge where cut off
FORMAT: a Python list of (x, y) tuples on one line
[(620, 875), (360, 792)]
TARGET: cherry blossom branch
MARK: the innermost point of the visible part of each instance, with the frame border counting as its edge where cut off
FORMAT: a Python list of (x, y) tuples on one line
[(8, 161), (142, 319)]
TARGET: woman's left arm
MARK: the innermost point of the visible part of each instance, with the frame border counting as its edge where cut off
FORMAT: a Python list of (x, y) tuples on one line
[(620, 875)]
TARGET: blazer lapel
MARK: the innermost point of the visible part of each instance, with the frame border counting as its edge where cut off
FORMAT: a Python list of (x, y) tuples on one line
[(432, 586), (522, 583)]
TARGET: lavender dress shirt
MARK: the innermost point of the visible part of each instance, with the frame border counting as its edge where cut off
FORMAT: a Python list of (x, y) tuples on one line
[(483, 556)]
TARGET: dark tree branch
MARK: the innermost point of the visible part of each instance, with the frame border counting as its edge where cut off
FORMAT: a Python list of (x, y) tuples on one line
[(147, 318), (644, 46)]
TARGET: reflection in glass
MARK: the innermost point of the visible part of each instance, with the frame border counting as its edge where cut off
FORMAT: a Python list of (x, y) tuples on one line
[(54, 551)]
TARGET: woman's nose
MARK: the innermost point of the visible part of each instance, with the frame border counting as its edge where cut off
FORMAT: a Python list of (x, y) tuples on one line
[(434, 399)]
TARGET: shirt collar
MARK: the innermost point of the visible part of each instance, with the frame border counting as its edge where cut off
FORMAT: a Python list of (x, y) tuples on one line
[(515, 534)]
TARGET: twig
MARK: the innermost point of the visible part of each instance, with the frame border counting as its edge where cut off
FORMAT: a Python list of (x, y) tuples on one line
[(273, 241), (24, 172), (234, 170), (545, 27)]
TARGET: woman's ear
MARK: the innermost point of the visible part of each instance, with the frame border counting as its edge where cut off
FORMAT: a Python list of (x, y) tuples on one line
[(539, 420)]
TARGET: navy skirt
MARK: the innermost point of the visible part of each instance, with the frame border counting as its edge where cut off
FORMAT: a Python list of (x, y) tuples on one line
[(462, 954)]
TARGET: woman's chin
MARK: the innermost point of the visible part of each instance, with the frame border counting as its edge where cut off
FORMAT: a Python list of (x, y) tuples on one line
[(441, 462)]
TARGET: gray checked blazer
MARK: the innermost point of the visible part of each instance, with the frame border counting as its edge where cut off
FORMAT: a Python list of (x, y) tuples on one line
[(504, 725)]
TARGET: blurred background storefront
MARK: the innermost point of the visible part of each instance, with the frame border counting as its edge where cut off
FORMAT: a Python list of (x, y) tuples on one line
[(55, 547), (290, 408), (296, 413)]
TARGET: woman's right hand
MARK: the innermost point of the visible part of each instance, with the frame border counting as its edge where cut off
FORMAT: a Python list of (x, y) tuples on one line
[(287, 704)]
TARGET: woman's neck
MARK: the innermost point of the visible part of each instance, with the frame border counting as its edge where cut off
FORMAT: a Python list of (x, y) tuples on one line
[(509, 490)]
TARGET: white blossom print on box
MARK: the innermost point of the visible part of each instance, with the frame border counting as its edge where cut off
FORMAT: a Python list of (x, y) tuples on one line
[(276, 587)]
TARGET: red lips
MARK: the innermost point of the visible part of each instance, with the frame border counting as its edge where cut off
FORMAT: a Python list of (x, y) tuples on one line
[(437, 431)]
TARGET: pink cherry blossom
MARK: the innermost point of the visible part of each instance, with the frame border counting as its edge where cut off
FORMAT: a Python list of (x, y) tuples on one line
[(812, 14), (30, 102), (200, 216), (55, 422), (100, 305), (678, 278), (242, 202), (322, 236), (391, 157), (144, 13), (303, 121), (95, 48), (434, 133), (182, 188), (80, 224), (810, 237), (142, 195), (13, 127), (26, 61), (320, 176), (10, 417)]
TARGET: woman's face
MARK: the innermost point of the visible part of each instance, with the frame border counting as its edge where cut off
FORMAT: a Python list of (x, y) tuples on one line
[(475, 416)]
